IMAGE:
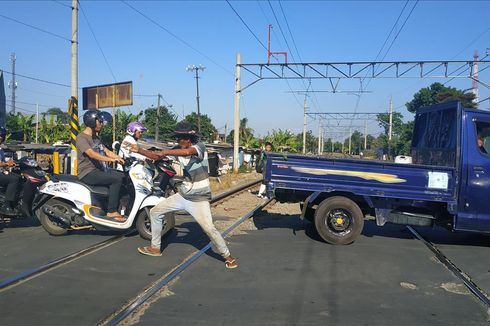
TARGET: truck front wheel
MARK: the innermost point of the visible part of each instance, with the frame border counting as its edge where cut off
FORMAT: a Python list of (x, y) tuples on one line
[(339, 220)]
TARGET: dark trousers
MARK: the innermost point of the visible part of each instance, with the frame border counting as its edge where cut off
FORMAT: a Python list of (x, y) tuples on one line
[(112, 179), (12, 182)]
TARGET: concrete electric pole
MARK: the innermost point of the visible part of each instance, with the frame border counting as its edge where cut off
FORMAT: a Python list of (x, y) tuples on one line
[(73, 102), (196, 70), (13, 84), (157, 121), (305, 122)]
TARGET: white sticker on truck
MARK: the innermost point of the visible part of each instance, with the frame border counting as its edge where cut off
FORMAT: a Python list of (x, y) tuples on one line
[(438, 180)]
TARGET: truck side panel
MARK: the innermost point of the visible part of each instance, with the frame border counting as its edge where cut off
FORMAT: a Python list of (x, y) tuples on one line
[(364, 178)]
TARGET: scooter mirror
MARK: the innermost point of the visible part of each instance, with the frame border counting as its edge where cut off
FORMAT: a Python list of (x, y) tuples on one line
[(116, 146)]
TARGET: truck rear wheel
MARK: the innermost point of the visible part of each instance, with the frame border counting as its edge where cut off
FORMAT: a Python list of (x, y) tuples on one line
[(339, 220)]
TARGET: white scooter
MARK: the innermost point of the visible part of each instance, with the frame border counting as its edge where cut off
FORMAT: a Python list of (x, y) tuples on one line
[(69, 204)]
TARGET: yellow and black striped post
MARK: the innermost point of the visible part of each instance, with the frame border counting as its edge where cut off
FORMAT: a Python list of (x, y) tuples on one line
[(74, 127)]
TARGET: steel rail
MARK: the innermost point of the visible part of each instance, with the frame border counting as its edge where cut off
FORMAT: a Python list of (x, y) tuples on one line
[(479, 293), (142, 297), (34, 272)]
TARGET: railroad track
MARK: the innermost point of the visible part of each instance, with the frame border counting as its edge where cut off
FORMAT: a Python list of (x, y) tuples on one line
[(126, 310), (56, 263), (467, 281)]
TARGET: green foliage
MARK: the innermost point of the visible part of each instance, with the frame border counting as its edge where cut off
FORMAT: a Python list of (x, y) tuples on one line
[(397, 122), (208, 130), (61, 116), (246, 135), (166, 123), (438, 93), (122, 119), (283, 141), (311, 142), (20, 126)]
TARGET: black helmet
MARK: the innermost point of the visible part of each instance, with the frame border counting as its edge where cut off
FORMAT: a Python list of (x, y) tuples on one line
[(3, 132), (91, 116)]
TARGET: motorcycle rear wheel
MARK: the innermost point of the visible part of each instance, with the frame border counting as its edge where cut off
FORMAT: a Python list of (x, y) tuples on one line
[(50, 226)]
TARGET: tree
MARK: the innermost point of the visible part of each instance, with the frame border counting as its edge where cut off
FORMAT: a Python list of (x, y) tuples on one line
[(166, 122), (62, 117), (283, 140), (384, 122), (311, 142), (438, 93), (246, 134), (121, 119), (208, 130)]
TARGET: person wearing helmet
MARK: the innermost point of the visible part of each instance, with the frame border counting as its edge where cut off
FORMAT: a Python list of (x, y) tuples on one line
[(193, 195), (93, 159), (11, 180), (134, 132)]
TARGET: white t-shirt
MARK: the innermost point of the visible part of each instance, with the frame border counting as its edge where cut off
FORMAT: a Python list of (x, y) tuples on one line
[(125, 152)]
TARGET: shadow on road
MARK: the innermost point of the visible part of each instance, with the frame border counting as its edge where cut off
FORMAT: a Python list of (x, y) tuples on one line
[(437, 235)]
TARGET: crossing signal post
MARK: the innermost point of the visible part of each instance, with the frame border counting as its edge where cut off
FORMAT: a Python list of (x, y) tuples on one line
[(74, 127)]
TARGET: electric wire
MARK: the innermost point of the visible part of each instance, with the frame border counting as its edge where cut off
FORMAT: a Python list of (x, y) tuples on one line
[(310, 86), (36, 28), (38, 92), (244, 23), (62, 4), (36, 79), (177, 37), (394, 39), (97, 42)]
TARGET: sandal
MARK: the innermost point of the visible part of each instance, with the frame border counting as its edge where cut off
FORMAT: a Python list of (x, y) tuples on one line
[(231, 264), (150, 251), (116, 218)]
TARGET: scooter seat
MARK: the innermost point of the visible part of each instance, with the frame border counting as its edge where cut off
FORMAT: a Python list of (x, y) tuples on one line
[(104, 191)]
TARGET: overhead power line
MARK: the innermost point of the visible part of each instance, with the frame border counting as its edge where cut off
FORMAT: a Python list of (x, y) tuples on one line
[(244, 23), (36, 79), (97, 42), (63, 4), (177, 37), (396, 36), (36, 28)]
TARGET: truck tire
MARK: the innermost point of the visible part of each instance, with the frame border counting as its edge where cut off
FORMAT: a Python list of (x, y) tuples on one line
[(50, 226), (144, 228), (339, 220)]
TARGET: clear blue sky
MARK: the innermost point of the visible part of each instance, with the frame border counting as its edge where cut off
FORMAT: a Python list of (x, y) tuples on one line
[(323, 31)]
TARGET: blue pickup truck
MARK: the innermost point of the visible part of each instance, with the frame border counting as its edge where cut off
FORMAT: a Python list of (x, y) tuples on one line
[(447, 184)]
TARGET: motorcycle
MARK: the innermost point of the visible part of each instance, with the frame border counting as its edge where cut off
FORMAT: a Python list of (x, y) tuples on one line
[(32, 177), (69, 204)]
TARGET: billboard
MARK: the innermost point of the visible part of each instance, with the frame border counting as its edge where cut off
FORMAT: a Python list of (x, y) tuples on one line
[(107, 96)]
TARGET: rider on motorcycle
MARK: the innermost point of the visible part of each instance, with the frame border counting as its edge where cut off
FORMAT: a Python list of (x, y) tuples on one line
[(12, 181), (93, 157), (134, 132)]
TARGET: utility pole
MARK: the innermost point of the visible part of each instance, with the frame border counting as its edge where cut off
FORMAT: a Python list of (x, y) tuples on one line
[(350, 140), (365, 135), (305, 122), (236, 119), (73, 102), (13, 84), (196, 70), (319, 137), (390, 130), (226, 126), (157, 121), (37, 121)]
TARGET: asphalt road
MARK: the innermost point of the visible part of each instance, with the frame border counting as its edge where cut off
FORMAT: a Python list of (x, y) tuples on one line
[(287, 276)]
